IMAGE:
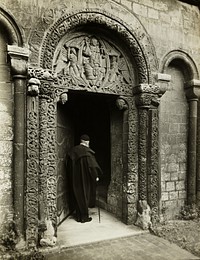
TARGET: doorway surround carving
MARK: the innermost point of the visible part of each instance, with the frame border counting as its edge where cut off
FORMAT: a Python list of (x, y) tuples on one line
[(141, 97)]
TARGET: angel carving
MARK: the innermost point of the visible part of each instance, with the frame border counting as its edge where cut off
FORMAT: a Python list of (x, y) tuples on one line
[(89, 61)]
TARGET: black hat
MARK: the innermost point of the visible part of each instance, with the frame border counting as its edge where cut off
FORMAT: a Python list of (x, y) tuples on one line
[(85, 137)]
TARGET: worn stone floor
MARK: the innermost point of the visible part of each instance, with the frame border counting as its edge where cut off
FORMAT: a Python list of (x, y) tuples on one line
[(71, 233), (110, 239)]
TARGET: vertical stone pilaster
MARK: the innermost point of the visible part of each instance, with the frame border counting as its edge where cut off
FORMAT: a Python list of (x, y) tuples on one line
[(19, 57), (43, 159), (192, 90), (131, 177), (143, 102), (153, 162), (147, 101), (32, 199), (47, 162), (52, 163), (142, 152), (41, 207), (48, 150)]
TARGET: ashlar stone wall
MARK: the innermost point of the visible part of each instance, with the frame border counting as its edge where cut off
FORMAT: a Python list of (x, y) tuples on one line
[(6, 136), (173, 145)]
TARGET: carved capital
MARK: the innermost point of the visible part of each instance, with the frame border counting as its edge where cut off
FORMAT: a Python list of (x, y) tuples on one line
[(146, 95), (143, 100), (40, 73), (192, 89), (147, 89), (19, 57), (162, 81)]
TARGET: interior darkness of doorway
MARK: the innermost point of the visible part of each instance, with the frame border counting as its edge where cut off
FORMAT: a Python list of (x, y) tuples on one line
[(90, 114)]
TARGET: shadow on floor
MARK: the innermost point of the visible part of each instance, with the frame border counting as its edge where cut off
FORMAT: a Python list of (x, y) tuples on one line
[(71, 233)]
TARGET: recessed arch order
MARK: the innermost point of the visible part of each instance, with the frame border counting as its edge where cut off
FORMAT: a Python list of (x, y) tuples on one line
[(137, 39), (186, 63), (13, 32)]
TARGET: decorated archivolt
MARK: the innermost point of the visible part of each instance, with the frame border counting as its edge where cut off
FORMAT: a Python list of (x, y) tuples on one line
[(88, 61)]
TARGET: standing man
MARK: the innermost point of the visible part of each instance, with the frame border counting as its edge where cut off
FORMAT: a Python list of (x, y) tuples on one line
[(85, 172)]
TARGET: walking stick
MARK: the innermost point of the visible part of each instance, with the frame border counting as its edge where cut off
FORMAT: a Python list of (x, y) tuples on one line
[(98, 206)]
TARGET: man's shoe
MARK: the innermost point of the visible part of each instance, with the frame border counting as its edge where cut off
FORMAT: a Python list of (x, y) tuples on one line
[(86, 220)]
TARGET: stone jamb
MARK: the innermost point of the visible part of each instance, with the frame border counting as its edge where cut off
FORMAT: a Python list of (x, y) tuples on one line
[(131, 187), (143, 101), (43, 161), (32, 198), (147, 101)]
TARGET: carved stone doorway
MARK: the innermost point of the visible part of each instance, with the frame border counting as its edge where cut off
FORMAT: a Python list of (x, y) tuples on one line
[(98, 116), (83, 54)]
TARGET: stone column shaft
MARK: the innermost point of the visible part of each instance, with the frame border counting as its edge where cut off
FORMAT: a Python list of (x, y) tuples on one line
[(19, 57), (143, 101), (192, 151), (147, 100), (192, 90), (153, 163), (198, 154), (43, 160), (19, 152), (142, 153)]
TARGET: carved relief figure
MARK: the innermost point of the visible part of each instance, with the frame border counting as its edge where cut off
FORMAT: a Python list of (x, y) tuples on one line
[(73, 62), (61, 63), (68, 62), (114, 71), (144, 215), (92, 62), (92, 57)]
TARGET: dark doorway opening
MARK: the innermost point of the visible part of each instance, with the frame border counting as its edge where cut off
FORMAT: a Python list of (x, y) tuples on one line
[(90, 113), (84, 113)]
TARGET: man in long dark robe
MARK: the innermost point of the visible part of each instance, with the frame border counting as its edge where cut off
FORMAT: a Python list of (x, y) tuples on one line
[(85, 172)]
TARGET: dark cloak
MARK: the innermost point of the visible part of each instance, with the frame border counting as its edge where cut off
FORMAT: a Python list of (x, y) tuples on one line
[(84, 170)]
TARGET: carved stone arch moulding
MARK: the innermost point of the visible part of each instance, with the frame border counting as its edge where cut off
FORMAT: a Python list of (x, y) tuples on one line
[(14, 33), (187, 63), (139, 43)]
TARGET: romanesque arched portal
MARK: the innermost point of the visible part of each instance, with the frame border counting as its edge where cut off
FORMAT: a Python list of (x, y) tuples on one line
[(94, 52)]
